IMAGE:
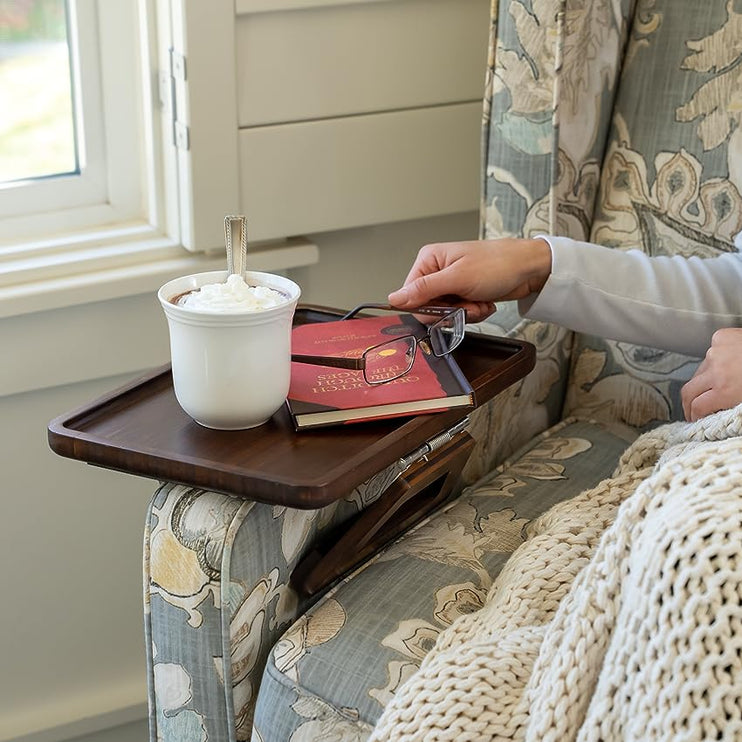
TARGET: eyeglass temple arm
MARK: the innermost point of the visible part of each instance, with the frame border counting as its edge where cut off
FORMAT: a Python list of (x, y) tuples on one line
[(356, 364), (437, 311), (361, 307)]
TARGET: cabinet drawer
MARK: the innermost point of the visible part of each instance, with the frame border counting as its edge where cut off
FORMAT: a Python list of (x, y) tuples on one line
[(359, 170), (336, 60)]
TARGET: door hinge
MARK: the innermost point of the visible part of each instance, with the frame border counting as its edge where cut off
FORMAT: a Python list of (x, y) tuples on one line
[(177, 77)]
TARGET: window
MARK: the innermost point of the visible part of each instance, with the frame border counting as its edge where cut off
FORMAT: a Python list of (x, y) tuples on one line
[(37, 134), (102, 207), (155, 164), (79, 162), (157, 156)]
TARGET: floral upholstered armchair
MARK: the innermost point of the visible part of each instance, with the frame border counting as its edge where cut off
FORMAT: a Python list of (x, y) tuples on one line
[(615, 122)]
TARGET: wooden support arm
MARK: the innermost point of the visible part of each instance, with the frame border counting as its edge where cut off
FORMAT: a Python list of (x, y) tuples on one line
[(422, 488)]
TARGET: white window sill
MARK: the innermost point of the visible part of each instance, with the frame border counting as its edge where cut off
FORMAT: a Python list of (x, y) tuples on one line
[(103, 319), (49, 278)]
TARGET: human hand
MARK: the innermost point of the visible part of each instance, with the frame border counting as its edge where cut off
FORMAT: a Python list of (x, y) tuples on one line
[(475, 274), (717, 383)]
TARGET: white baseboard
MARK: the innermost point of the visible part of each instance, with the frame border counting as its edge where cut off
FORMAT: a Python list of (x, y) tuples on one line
[(134, 731), (69, 729)]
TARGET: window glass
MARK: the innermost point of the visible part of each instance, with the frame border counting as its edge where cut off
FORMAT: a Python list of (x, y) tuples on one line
[(37, 129)]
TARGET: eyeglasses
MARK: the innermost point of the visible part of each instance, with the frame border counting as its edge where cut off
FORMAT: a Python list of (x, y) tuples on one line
[(394, 358)]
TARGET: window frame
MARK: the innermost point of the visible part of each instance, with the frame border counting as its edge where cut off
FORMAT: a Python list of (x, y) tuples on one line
[(164, 217), (108, 111), (130, 239)]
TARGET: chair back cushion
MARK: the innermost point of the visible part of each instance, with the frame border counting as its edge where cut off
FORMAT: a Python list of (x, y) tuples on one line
[(670, 184), (550, 87)]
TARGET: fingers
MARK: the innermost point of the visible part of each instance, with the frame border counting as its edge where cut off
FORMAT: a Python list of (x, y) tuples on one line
[(429, 259), (454, 270), (475, 311), (474, 274), (478, 311), (699, 383), (717, 384), (421, 290), (401, 298), (697, 397), (705, 404), (704, 400)]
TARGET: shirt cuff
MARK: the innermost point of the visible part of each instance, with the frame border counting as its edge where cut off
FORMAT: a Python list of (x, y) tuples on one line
[(538, 305)]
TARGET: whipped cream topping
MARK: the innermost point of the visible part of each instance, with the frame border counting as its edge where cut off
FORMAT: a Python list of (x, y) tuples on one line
[(233, 296)]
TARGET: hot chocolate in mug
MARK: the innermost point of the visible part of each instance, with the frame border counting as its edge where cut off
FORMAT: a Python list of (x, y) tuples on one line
[(231, 367)]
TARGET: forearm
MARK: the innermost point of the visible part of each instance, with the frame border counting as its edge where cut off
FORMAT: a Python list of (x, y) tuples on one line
[(666, 302)]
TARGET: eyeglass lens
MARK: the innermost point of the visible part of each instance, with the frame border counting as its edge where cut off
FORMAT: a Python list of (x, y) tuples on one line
[(447, 333), (389, 360)]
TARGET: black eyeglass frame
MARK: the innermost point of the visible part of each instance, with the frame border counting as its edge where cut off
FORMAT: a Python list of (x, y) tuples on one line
[(359, 364)]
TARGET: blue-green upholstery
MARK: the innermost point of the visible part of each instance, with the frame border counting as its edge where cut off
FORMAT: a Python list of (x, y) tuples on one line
[(331, 673), (616, 121)]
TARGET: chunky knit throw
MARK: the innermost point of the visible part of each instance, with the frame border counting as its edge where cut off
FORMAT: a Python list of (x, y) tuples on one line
[(619, 618)]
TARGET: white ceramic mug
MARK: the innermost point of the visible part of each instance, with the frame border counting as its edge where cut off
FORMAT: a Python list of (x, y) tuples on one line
[(231, 370)]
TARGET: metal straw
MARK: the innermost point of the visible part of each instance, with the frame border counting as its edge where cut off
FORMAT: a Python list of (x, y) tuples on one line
[(235, 237)]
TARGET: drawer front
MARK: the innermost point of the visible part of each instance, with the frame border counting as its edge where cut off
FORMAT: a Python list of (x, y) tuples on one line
[(338, 173), (336, 60)]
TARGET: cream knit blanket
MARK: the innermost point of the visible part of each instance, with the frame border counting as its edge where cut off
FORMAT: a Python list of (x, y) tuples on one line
[(620, 618)]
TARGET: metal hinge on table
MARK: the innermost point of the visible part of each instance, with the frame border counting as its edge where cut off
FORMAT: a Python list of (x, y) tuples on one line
[(169, 82), (429, 446)]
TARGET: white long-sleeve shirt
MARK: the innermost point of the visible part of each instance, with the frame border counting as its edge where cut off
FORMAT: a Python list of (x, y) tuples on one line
[(667, 302)]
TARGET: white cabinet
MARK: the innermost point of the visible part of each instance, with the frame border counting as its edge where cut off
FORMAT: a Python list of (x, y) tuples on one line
[(331, 113)]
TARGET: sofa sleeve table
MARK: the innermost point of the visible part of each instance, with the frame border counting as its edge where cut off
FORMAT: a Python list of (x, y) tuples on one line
[(268, 513), (140, 429)]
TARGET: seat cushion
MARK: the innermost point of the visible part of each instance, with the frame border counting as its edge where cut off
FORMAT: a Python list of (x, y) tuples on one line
[(333, 671)]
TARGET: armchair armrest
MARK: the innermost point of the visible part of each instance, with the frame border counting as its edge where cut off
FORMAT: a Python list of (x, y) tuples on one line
[(217, 597)]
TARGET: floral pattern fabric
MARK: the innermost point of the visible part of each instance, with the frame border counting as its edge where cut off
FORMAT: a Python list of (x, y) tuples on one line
[(334, 670), (671, 184), (217, 597), (552, 72), (611, 120)]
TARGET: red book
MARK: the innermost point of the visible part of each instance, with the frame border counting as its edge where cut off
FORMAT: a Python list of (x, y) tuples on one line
[(323, 395)]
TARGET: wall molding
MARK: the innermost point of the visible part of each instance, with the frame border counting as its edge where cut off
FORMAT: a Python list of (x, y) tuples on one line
[(413, 164)]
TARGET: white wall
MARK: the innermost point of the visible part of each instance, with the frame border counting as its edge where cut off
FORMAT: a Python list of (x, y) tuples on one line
[(72, 646), (71, 546)]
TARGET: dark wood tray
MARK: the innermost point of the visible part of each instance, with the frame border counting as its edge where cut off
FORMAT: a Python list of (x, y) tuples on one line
[(140, 429)]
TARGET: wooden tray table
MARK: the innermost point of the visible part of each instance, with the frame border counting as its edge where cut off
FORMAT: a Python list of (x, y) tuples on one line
[(140, 429)]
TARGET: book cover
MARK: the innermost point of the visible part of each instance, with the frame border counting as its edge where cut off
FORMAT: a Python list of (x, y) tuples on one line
[(322, 395)]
